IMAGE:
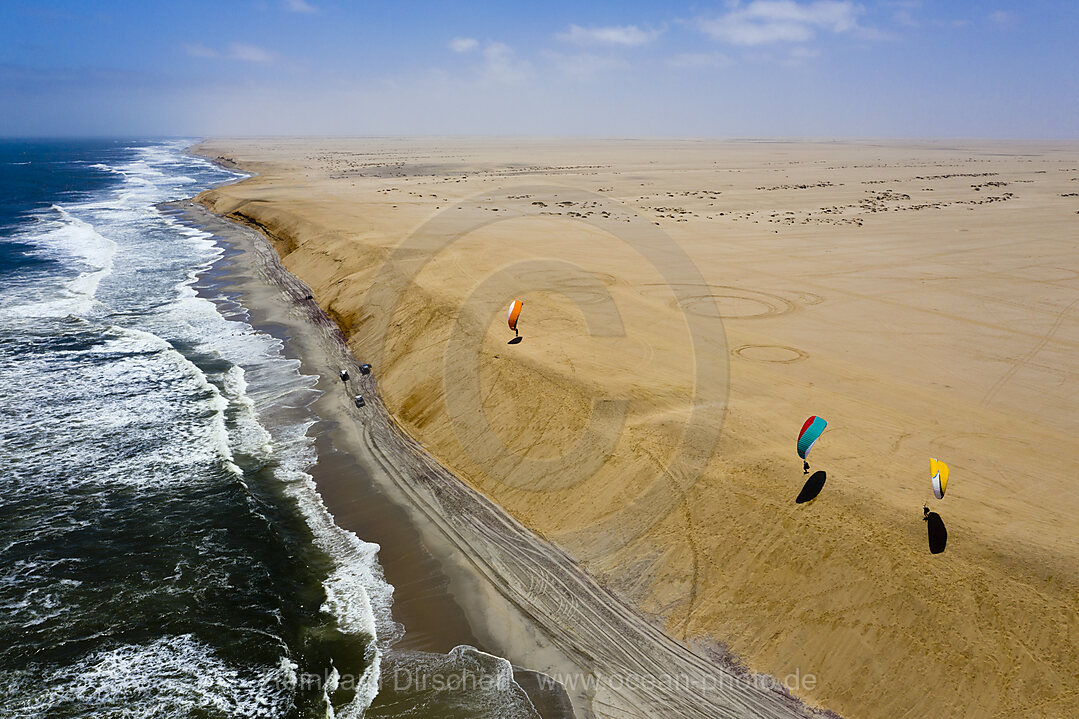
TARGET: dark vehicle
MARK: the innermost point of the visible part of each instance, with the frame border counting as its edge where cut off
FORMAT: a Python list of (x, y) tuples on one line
[(365, 369), (358, 399), (343, 374)]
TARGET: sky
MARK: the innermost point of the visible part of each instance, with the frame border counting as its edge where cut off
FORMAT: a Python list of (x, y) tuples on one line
[(756, 68)]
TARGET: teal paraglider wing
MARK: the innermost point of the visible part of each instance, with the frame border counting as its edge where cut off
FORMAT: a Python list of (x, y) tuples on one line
[(811, 432)]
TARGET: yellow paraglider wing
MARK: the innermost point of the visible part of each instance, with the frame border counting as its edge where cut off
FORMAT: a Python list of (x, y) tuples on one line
[(938, 477)]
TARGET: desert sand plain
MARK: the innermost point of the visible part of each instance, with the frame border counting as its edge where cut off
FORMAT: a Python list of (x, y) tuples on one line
[(920, 296)]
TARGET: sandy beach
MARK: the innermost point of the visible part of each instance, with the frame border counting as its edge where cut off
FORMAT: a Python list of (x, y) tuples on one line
[(687, 304)]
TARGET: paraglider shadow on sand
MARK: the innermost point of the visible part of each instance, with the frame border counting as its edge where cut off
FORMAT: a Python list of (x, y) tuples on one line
[(938, 533), (812, 487), (516, 340)]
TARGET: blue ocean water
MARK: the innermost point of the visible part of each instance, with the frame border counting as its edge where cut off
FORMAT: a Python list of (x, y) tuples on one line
[(163, 551)]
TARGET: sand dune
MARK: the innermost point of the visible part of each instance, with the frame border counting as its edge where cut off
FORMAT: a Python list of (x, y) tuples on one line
[(921, 297)]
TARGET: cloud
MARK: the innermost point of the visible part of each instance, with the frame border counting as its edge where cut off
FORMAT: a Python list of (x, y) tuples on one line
[(799, 55), (904, 18), (695, 60), (762, 22), (235, 51), (904, 12), (300, 6), (497, 63), (623, 35), (1000, 18), (463, 44), (583, 66), (501, 66), (249, 53)]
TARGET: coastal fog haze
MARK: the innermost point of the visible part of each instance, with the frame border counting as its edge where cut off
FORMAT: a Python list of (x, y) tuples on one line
[(539, 361)]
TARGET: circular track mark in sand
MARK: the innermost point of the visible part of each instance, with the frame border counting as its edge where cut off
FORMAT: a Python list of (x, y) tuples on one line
[(770, 353), (578, 289), (734, 303)]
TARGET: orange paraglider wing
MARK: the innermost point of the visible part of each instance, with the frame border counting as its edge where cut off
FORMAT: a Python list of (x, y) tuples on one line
[(515, 312)]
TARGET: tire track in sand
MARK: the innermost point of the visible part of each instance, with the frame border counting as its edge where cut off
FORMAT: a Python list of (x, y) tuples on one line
[(1029, 356)]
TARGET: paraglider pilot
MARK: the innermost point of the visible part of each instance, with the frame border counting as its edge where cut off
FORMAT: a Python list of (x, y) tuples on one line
[(811, 432), (515, 312)]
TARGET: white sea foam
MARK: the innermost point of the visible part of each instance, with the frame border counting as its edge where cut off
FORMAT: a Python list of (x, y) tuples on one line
[(261, 383), (357, 595), (488, 679), (211, 438), (247, 406), (133, 381), (68, 238), (171, 676)]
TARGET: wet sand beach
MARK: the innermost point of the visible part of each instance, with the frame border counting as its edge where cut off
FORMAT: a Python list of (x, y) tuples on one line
[(687, 304)]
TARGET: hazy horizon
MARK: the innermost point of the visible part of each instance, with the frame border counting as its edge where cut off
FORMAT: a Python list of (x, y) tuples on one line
[(825, 69)]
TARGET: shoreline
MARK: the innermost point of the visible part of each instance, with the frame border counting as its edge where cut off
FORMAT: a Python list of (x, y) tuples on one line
[(413, 561), (620, 663)]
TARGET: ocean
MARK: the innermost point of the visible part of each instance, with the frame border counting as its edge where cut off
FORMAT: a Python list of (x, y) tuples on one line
[(163, 551)]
